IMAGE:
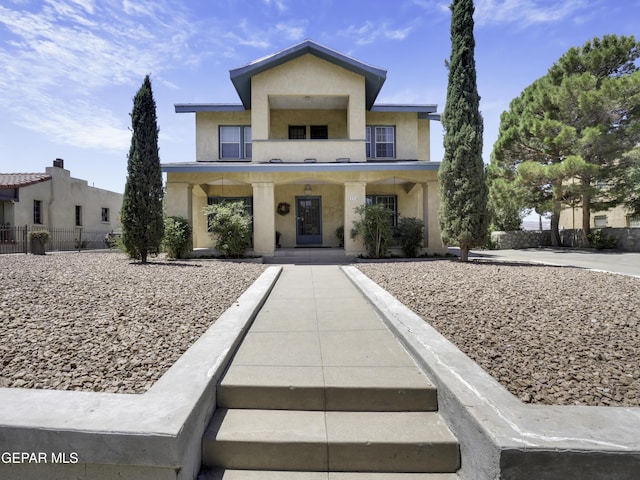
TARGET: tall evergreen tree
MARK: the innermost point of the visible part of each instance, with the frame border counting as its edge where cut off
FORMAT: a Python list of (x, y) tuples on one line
[(463, 190), (142, 221)]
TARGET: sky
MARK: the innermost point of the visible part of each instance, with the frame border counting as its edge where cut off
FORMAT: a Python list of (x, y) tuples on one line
[(69, 69)]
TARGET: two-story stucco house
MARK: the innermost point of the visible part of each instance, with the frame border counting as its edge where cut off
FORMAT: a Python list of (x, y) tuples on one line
[(306, 145)]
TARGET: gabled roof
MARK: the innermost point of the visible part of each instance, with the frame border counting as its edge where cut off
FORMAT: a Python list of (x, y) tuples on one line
[(241, 76), (18, 180)]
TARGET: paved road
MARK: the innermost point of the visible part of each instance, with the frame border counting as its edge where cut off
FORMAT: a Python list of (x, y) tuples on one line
[(618, 262)]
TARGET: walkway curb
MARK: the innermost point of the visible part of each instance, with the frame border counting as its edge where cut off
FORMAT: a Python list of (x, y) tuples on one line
[(501, 437), (156, 435)]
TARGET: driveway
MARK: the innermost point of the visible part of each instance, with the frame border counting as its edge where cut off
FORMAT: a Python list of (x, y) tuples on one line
[(626, 263)]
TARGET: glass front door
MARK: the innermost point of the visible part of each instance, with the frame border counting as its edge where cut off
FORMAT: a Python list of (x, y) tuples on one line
[(308, 220)]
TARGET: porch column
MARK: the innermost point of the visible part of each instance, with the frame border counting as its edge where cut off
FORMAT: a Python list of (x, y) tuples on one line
[(432, 240), (264, 222), (354, 196), (179, 200), (199, 225)]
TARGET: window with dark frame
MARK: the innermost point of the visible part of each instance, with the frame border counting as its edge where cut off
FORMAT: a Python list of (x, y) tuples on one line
[(235, 142), (388, 201), (105, 215), (319, 132), (297, 132), (37, 212), (78, 215)]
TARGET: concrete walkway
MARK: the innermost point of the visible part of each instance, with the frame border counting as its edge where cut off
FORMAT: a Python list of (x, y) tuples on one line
[(320, 384)]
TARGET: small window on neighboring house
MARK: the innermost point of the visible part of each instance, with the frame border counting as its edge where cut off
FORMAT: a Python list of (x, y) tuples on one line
[(389, 201), (601, 185), (297, 132), (78, 215), (600, 221), (105, 215), (633, 221), (381, 142), (319, 132), (235, 142), (37, 212)]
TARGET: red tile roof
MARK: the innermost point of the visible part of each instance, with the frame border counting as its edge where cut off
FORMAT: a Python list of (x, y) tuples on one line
[(17, 180)]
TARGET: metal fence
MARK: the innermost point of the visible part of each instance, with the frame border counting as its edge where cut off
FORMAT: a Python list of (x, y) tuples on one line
[(16, 239)]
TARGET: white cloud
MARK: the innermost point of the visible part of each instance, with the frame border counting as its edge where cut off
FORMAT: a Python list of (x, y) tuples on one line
[(67, 51), (369, 32), (525, 12), (521, 12)]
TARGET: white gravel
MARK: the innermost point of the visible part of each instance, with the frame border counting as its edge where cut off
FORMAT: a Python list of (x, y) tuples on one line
[(98, 322), (551, 335)]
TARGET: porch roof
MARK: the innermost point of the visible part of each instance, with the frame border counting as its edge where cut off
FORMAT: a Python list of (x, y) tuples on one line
[(203, 167)]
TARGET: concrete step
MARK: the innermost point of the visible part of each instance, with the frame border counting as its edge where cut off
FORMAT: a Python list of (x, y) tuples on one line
[(330, 441), (221, 474), (389, 389)]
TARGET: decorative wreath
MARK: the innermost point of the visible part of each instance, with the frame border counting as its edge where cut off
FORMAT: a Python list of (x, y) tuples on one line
[(283, 208)]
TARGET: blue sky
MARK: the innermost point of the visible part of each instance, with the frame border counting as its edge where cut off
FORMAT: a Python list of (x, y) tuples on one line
[(70, 68)]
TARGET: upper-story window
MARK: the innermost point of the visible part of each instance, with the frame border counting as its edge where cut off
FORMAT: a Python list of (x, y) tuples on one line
[(381, 142), (235, 142), (297, 132), (319, 132)]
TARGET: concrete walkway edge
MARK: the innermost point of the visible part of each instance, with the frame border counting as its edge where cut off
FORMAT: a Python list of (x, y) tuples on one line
[(501, 437)]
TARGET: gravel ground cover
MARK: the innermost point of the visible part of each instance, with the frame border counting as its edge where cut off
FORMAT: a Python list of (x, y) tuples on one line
[(550, 335), (98, 322)]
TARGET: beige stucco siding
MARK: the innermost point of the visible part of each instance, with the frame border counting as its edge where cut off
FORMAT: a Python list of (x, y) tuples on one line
[(617, 217), (416, 192), (336, 120), (59, 197), (207, 131), (412, 140), (307, 76)]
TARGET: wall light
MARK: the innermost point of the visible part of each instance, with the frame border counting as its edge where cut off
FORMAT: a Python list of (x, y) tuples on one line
[(307, 189)]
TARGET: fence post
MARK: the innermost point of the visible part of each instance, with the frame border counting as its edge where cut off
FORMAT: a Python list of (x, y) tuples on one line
[(25, 237)]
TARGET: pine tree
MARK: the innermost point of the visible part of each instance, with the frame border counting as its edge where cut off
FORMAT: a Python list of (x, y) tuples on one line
[(142, 220), (463, 189)]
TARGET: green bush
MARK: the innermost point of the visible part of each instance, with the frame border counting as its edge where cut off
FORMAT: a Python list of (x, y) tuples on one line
[(410, 233), (177, 237), (340, 234), (374, 228), (230, 227), (42, 235), (600, 239)]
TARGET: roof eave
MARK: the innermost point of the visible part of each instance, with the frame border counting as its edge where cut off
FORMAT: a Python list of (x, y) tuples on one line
[(241, 76)]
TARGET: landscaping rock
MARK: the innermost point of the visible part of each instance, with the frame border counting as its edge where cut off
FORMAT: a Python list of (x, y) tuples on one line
[(550, 335), (99, 322)]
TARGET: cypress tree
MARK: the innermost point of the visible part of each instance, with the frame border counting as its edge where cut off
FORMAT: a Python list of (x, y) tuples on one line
[(142, 220), (463, 189)]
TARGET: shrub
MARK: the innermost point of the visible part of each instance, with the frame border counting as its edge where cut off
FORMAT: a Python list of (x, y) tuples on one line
[(410, 233), (600, 239), (177, 237), (374, 228), (340, 234), (230, 228), (42, 235)]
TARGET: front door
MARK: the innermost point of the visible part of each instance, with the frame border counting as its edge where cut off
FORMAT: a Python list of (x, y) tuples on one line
[(308, 220)]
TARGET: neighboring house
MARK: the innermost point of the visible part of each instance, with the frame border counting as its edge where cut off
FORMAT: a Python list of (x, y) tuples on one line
[(55, 200), (306, 145)]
